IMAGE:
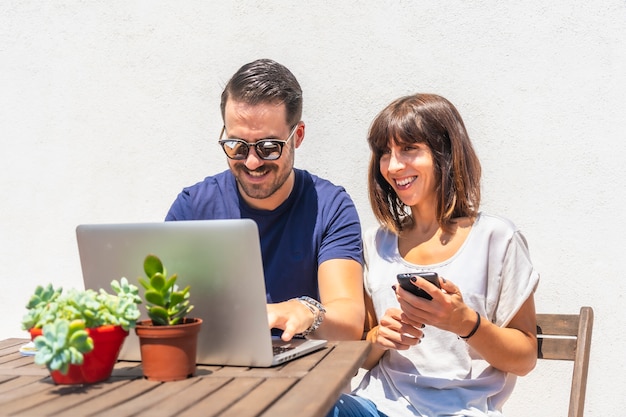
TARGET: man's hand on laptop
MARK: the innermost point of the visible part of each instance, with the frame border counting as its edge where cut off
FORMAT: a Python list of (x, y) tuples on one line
[(292, 316)]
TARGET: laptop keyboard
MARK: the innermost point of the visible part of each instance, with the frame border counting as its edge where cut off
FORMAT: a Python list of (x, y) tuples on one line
[(282, 348)]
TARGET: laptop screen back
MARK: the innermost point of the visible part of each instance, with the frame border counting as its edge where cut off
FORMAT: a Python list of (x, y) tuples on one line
[(219, 259)]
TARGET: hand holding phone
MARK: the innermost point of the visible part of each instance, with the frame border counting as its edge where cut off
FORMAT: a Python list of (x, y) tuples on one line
[(405, 282)]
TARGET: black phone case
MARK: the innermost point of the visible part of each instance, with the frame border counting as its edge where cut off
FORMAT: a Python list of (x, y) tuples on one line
[(405, 282)]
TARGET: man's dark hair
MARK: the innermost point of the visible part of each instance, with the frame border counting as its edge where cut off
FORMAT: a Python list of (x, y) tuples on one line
[(265, 81)]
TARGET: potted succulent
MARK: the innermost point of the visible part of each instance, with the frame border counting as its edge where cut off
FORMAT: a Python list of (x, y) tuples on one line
[(78, 334), (168, 340)]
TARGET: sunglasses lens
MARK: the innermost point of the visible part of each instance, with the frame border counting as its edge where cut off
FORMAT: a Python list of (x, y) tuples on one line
[(235, 149), (269, 149)]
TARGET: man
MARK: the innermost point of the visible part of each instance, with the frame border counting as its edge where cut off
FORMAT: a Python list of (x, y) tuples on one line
[(309, 228)]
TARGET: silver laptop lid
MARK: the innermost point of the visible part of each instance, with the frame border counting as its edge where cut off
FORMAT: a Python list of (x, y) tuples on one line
[(220, 259)]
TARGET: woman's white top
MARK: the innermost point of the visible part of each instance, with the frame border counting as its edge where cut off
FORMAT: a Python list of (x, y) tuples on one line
[(443, 376)]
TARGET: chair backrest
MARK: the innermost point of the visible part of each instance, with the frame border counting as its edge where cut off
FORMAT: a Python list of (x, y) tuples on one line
[(568, 337)]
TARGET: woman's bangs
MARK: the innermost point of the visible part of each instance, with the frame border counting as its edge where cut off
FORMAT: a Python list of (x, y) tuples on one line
[(406, 131), (393, 130)]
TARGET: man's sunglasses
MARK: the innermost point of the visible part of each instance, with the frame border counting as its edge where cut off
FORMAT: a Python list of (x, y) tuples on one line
[(266, 149)]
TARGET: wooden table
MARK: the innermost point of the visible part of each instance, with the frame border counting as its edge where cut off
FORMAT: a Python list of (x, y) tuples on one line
[(307, 386)]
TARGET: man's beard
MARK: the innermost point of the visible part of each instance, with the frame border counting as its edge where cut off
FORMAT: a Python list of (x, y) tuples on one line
[(265, 189)]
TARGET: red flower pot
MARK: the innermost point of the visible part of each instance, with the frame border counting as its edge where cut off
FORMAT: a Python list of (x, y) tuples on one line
[(98, 364)]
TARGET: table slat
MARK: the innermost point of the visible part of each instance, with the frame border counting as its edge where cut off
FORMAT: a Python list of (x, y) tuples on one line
[(316, 393), (82, 401), (187, 397), (260, 398), (217, 402)]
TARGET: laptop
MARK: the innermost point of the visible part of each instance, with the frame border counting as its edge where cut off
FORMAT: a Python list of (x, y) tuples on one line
[(220, 260)]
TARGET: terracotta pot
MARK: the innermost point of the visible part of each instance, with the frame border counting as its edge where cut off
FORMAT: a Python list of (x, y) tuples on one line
[(98, 364), (168, 353)]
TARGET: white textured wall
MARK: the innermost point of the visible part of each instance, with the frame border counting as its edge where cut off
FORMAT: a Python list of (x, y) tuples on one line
[(108, 108)]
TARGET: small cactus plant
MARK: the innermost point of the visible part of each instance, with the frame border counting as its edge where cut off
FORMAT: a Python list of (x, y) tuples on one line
[(166, 304)]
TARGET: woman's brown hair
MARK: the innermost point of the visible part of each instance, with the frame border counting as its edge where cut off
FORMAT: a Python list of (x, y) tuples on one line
[(432, 120)]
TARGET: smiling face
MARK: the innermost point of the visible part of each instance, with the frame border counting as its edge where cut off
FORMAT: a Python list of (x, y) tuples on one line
[(410, 170), (421, 154), (263, 184)]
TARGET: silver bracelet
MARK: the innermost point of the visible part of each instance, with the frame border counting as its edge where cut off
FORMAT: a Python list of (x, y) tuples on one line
[(318, 311)]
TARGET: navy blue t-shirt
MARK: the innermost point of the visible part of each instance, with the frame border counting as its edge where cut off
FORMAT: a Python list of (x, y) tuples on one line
[(317, 222)]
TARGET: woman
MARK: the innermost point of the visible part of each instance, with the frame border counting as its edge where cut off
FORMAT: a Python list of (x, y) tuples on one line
[(459, 353)]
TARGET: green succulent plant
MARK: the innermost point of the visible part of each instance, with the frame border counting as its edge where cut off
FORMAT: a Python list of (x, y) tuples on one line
[(64, 318), (62, 344), (165, 303)]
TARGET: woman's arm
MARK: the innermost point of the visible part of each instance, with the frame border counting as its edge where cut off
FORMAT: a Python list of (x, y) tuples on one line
[(390, 333), (510, 349)]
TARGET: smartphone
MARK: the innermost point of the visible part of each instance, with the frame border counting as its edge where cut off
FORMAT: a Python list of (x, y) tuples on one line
[(405, 282)]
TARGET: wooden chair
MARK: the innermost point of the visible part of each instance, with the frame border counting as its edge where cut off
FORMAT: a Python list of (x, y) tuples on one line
[(568, 337)]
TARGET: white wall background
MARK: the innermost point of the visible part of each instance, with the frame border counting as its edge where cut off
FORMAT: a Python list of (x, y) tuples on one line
[(108, 108)]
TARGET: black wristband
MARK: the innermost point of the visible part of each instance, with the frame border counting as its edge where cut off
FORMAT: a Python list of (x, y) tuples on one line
[(476, 326)]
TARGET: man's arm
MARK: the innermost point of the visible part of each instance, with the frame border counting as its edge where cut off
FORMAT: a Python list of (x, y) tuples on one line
[(341, 294)]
